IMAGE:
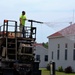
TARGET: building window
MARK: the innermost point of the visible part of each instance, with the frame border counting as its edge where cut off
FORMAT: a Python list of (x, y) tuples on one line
[(52, 54), (74, 54), (66, 45), (58, 54), (37, 57), (74, 45), (66, 54), (46, 57), (58, 45)]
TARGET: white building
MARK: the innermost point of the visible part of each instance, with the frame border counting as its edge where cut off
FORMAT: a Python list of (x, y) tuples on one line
[(62, 47), (41, 54)]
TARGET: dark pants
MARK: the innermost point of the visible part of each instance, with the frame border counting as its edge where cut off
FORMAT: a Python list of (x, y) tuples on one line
[(23, 32)]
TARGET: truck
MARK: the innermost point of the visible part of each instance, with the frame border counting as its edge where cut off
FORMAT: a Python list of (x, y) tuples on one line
[(17, 52)]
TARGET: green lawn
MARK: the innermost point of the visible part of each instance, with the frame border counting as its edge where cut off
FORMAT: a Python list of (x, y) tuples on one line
[(46, 72)]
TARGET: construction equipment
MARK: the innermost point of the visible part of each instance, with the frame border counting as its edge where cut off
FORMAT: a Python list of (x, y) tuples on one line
[(17, 52)]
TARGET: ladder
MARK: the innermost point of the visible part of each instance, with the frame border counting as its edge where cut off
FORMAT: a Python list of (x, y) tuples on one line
[(11, 43), (11, 48)]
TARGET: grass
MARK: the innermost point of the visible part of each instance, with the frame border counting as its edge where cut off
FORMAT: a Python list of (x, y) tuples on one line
[(46, 72)]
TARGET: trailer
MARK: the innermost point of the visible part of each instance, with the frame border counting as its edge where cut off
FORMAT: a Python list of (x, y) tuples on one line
[(17, 52)]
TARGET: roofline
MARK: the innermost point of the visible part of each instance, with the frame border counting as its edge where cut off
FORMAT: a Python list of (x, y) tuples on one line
[(52, 37), (58, 36)]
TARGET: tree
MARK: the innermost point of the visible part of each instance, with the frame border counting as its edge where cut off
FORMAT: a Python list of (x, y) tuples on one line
[(45, 44)]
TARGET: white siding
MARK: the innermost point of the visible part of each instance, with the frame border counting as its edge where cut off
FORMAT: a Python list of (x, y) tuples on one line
[(40, 50), (53, 46)]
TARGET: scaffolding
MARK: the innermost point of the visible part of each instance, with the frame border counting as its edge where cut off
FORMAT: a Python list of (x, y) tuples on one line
[(16, 51)]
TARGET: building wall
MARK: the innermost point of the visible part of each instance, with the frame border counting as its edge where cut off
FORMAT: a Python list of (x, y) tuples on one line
[(53, 47), (40, 50)]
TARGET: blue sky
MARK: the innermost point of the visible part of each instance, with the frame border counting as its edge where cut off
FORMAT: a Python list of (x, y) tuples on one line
[(57, 14)]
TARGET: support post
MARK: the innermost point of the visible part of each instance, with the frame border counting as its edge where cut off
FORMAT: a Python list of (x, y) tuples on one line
[(52, 68)]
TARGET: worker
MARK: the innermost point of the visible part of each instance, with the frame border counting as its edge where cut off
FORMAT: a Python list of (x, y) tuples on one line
[(22, 23)]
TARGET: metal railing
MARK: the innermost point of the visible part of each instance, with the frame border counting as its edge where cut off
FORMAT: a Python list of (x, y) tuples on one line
[(7, 30)]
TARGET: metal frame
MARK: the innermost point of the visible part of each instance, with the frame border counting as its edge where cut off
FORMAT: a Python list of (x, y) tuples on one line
[(28, 63)]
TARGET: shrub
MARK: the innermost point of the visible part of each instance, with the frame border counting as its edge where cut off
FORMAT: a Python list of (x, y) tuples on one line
[(48, 67), (68, 69), (60, 69)]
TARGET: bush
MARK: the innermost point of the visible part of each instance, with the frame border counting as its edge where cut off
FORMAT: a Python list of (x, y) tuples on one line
[(60, 69), (48, 67), (68, 69)]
